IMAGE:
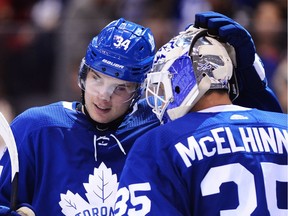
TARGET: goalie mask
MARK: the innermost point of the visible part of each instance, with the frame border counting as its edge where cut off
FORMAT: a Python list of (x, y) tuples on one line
[(184, 69)]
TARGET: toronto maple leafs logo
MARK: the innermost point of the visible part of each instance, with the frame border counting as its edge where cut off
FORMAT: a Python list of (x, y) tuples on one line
[(101, 194)]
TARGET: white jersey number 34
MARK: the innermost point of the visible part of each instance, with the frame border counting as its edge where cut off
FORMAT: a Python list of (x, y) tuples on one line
[(120, 42)]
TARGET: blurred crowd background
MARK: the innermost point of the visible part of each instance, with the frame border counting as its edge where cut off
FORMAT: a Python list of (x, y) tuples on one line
[(42, 42)]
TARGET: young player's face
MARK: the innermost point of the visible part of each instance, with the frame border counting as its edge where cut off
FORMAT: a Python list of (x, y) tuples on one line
[(107, 98)]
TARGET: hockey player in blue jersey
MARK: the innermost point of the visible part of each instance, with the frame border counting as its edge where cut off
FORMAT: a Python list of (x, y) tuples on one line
[(211, 157), (71, 154)]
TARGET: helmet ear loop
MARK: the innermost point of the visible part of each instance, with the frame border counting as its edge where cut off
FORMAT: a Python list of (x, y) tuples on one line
[(200, 34), (83, 71), (135, 96)]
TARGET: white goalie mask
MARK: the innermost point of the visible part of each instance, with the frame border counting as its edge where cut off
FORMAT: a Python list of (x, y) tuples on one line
[(184, 69)]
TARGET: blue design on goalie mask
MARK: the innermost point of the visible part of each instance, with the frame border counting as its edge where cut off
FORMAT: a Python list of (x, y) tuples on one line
[(184, 69)]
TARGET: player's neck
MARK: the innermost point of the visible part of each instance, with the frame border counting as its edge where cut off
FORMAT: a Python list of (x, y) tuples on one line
[(214, 98)]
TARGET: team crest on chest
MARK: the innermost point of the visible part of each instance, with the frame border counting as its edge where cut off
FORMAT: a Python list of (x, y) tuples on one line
[(100, 192)]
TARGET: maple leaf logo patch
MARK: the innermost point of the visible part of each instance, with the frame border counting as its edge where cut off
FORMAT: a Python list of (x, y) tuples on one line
[(101, 194)]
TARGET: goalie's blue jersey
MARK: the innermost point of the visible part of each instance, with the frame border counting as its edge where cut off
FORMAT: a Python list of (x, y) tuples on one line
[(67, 166), (222, 163)]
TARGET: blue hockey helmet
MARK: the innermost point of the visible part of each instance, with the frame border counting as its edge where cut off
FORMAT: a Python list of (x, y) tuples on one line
[(123, 50), (184, 69)]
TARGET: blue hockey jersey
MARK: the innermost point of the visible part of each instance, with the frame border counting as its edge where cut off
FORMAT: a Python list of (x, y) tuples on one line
[(67, 166), (209, 163)]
